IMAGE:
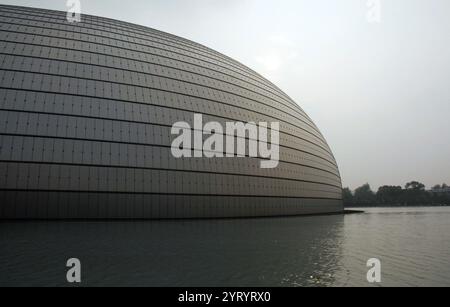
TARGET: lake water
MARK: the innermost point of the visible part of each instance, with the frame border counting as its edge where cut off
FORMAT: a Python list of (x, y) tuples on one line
[(413, 245)]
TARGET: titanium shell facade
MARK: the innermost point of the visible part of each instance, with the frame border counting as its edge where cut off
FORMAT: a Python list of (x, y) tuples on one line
[(86, 111)]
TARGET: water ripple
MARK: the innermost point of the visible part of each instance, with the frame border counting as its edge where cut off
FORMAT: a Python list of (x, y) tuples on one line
[(413, 245)]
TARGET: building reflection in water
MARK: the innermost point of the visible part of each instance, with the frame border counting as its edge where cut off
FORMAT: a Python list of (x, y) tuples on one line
[(297, 251)]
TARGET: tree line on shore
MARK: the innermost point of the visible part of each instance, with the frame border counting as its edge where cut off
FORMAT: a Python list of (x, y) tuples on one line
[(413, 194)]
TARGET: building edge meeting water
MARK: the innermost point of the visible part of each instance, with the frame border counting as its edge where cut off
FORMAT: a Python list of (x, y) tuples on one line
[(86, 111)]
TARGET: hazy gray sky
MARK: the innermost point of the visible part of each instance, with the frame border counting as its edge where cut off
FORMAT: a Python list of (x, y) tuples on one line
[(379, 92)]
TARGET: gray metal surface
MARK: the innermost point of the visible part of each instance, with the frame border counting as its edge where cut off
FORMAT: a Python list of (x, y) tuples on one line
[(85, 116)]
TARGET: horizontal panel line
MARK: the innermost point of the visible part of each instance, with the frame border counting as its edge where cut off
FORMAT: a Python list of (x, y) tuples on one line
[(139, 144), (326, 151), (243, 70), (174, 79), (290, 104), (168, 194), (292, 107), (153, 124), (168, 169), (319, 136), (98, 26)]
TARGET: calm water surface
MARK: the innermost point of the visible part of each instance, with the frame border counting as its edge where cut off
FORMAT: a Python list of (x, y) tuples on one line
[(413, 245)]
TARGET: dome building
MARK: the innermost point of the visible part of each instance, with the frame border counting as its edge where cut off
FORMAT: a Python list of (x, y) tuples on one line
[(87, 118)]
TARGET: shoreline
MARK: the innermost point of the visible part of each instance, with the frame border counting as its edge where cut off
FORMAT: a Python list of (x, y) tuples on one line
[(394, 206)]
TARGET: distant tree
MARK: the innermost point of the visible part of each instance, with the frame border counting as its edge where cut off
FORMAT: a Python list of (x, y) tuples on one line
[(414, 185), (389, 195), (446, 196), (364, 195), (415, 194), (347, 197), (439, 196)]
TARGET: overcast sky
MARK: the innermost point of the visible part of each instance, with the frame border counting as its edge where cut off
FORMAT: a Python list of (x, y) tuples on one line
[(379, 92)]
